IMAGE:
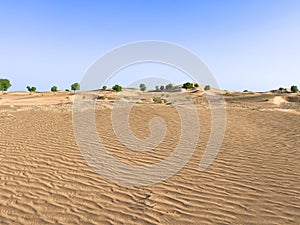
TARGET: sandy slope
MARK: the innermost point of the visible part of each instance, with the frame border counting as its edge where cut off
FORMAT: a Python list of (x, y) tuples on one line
[(254, 180)]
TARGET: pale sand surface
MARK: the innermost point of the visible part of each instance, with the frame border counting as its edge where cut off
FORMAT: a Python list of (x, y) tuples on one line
[(255, 178)]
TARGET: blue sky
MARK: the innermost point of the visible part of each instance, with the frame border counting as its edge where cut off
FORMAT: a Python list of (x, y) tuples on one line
[(250, 45)]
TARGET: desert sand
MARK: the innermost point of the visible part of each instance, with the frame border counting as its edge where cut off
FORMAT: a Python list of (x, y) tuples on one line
[(255, 178)]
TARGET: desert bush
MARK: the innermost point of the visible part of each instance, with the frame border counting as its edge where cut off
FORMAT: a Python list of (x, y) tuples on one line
[(162, 87), (294, 89), (75, 87), (143, 87), (53, 88), (196, 85), (207, 88), (157, 100), (187, 85), (117, 88), (4, 84), (245, 91), (67, 90), (31, 89), (157, 88), (104, 88), (169, 86)]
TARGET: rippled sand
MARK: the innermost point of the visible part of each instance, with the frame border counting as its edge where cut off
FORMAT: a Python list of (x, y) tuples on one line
[(255, 178)]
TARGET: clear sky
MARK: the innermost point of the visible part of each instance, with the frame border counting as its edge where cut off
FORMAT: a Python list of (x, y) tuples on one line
[(252, 45)]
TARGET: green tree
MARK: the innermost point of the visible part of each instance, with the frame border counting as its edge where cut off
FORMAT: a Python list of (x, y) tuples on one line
[(54, 89), (157, 88), (143, 87), (207, 88), (188, 85), (169, 86), (31, 89), (104, 88), (117, 88), (294, 89), (4, 84), (75, 87), (196, 85), (162, 87)]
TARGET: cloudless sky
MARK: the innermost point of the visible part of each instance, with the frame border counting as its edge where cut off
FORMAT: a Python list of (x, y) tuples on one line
[(252, 45)]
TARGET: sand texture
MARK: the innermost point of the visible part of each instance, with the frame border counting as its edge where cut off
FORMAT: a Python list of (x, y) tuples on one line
[(255, 178)]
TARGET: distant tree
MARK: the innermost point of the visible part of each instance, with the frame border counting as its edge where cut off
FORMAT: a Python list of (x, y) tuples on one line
[(31, 89), (169, 86), (67, 90), (245, 91), (75, 87), (207, 88), (104, 88), (196, 85), (281, 89), (162, 87), (4, 84), (143, 87), (188, 85), (294, 89), (117, 88), (54, 89), (157, 88)]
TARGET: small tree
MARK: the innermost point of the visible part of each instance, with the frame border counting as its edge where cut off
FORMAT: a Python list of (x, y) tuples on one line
[(4, 84), (75, 87), (117, 88), (169, 86), (196, 85), (162, 87), (31, 89), (104, 88), (67, 90), (207, 88), (281, 89), (294, 89), (54, 89), (157, 88), (143, 87), (188, 85)]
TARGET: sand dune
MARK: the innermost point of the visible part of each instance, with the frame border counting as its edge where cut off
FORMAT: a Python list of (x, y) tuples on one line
[(255, 178)]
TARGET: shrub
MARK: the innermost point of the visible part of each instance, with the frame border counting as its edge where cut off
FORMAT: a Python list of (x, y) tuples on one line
[(75, 87), (294, 89), (104, 88), (162, 87), (67, 90), (4, 84), (53, 88), (143, 87), (157, 88), (207, 88), (169, 86), (188, 85), (117, 88), (31, 89), (245, 91), (196, 85), (281, 89), (157, 100)]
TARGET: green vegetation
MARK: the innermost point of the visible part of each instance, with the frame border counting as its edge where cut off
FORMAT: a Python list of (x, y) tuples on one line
[(294, 89), (54, 89), (188, 85), (4, 84), (67, 90), (169, 86), (143, 87), (245, 91), (157, 88), (31, 89), (157, 100), (207, 88), (162, 87), (104, 88), (117, 88), (75, 87), (196, 85)]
